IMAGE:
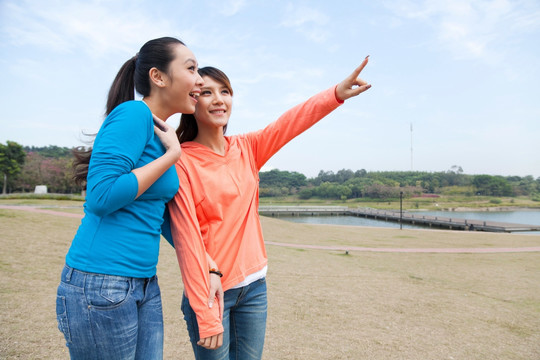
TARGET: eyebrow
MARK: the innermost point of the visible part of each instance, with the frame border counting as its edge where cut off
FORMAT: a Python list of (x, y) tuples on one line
[(212, 87), (190, 60)]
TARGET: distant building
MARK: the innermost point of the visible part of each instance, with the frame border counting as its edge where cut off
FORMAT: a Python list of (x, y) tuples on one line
[(40, 189)]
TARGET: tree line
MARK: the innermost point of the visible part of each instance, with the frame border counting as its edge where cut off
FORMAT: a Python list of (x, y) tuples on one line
[(348, 184), (23, 167)]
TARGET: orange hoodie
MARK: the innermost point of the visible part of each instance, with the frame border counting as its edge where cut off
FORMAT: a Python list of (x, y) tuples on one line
[(216, 208)]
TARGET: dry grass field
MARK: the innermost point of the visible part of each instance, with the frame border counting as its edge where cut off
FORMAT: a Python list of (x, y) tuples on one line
[(323, 304)]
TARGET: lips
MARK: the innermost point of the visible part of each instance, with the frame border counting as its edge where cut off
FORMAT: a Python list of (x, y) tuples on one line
[(194, 95), (218, 111)]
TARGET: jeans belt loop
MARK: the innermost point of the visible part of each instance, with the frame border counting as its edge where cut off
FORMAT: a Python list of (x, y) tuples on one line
[(68, 274)]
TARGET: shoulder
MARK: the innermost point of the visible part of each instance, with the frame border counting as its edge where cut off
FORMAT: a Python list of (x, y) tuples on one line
[(237, 140), (244, 140), (132, 107), (131, 113)]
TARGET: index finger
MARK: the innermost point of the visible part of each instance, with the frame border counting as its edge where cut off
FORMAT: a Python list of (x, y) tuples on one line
[(359, 69), (159, 123), (213, 342)]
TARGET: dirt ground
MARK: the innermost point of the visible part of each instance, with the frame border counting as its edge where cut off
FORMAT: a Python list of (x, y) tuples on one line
[(323, 304)]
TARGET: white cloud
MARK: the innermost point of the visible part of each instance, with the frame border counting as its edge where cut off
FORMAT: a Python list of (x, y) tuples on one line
[(232, 7), (296, 73), (90, 27), (307, 21), (296, 16), (477, 29)]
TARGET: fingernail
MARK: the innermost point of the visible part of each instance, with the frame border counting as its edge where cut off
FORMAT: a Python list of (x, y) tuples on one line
[(367, 56)]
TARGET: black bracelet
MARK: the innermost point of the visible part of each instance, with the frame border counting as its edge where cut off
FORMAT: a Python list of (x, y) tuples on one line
[(216, 271)]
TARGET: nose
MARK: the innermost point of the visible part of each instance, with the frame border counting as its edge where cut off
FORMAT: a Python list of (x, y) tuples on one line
[(218, 99), (199, 81)]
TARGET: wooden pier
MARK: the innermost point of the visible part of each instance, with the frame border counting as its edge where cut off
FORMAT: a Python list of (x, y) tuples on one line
[(440, 222), (303, 210)]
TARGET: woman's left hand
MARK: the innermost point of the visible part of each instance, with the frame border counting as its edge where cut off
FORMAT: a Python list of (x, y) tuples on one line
[(167, 136), (216, 288), (211, 342), (216, 293), (352, 85)]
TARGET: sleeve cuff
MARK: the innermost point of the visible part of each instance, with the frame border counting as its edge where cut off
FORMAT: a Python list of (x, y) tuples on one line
[(337, 98)]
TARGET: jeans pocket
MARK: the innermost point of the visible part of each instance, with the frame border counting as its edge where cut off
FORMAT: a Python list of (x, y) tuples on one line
[(61, 317), (112, 291)]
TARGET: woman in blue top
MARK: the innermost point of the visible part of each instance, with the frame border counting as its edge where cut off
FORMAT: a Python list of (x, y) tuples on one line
[(108, 302)]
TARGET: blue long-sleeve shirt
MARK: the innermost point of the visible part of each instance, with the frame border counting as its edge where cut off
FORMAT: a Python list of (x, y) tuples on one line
[(120, 235)]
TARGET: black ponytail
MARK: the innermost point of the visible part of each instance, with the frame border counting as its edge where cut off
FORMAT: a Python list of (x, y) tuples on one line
[(123, 86), (134, 74)]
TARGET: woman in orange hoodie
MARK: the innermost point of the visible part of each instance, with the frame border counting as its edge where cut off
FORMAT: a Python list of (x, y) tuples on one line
[(214, 216)]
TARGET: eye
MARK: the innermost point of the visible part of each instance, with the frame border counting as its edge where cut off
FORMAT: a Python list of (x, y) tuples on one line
[(225, 91), (192, 68), (205, 92)]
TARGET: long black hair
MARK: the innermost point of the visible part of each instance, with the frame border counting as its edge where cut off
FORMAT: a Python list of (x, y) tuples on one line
[(188, 129), (134, 74)]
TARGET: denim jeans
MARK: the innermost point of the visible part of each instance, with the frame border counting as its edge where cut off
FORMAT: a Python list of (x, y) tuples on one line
[(244, 323), (110, 317)]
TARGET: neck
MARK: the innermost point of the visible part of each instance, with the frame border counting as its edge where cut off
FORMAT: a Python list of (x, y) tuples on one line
[(156, 107), (214, 140)]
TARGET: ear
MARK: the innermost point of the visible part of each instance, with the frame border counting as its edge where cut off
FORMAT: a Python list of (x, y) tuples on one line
[(157, 77)]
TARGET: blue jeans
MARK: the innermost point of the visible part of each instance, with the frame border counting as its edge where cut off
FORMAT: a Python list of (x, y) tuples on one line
[(110, 317), (244, 323)]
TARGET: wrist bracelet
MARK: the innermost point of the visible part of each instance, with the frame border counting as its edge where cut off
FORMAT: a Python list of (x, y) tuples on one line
[(216, 271)]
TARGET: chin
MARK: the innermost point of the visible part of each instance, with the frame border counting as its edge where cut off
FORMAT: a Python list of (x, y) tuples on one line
[(189, 109)]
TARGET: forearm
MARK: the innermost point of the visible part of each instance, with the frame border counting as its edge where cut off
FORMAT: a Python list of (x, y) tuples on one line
[(292, 123), (211, 263), (149, 173)]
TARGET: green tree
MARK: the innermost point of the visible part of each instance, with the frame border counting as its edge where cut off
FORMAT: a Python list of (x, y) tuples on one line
[(325, 190), (12, 158), (31, 173), (305, 193), (492, 185), (278, 178), (522, 186), (51, 151), (343, 192)]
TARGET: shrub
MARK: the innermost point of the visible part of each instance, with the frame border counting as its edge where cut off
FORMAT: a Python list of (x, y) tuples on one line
[(305, 194)]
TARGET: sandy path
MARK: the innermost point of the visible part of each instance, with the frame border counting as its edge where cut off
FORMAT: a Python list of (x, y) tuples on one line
[(410, 250), (38, 210)]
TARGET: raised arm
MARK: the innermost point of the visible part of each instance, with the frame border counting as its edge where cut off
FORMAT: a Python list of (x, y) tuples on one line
[(266, 142)]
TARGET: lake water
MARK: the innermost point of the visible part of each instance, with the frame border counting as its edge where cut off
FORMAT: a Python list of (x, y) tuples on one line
[(529, 217)]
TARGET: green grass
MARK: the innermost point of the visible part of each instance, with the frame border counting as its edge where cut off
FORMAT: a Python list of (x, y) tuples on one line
[(32, 196)]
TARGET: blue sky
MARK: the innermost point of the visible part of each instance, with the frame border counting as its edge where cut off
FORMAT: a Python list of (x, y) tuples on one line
[(464, 74)]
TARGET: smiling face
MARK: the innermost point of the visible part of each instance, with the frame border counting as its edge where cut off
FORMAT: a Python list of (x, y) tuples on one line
[(214, 105), (183, 81)]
